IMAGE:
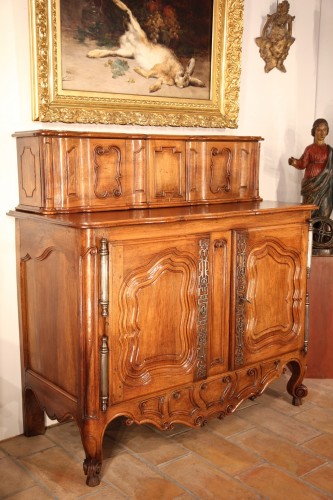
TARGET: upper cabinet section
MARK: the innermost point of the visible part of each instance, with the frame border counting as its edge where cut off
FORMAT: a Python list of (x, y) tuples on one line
[(75, 171)]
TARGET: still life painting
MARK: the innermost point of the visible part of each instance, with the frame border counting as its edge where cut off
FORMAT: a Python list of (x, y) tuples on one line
[(148, 62)]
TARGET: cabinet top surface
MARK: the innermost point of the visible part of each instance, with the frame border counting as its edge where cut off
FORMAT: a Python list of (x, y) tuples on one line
[(106, 135), (166, 215)]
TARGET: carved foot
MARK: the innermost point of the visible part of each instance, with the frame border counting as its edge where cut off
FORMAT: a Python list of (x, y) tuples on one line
[(300, 392), (296, 389), (92, 468)]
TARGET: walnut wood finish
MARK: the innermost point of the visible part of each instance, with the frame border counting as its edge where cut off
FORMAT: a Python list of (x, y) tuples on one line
[(161, 316), (74, 172)]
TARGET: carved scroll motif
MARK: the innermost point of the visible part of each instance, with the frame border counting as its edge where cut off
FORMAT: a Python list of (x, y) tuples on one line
[(220, 160), (107, 172), (182, 403), (241, 249), (203, 278), (152, 406)]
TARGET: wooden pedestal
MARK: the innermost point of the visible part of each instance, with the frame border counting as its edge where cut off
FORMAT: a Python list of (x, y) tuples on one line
[(320, 357)]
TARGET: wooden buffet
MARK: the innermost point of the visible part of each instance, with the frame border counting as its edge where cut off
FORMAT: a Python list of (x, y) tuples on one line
[(154, 283)]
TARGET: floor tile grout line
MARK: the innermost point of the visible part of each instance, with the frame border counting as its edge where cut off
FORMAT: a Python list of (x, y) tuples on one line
[(80, 461), (200, 458), (156, 469), (38, 482), (311, 427), (321, 466), (310, 486), (267, 431), (264, 461), (130, 452)]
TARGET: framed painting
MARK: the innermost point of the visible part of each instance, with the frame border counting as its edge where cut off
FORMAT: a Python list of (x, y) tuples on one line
[(142, 62)]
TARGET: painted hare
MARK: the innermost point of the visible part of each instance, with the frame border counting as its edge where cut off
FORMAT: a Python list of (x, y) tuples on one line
[(154, 60)]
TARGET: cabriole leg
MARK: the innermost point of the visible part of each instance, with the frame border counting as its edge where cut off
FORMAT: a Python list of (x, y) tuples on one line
[(296, 389), (92, 440)]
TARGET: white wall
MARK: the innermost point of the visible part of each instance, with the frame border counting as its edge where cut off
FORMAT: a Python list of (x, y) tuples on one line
[(280, 107)]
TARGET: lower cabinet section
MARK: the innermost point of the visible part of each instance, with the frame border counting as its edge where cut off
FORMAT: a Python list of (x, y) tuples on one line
[(193, 404), (160, 317)]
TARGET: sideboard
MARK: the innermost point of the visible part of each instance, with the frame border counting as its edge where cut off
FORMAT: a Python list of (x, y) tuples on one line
[(154, 283)]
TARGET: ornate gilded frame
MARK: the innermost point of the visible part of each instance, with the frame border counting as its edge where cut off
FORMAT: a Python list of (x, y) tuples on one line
[(51, 103)]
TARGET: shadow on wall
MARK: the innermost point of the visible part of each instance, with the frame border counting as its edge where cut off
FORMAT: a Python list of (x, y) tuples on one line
[(289, 184), (328, 115)]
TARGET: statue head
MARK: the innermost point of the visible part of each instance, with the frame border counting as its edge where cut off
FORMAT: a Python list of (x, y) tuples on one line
[(316, 124), (283, 6)]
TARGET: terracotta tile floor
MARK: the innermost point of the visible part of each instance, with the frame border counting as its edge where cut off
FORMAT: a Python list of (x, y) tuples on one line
[(267, 450)]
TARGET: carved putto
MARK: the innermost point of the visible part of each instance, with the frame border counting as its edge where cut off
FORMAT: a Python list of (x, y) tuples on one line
[(276, 38)]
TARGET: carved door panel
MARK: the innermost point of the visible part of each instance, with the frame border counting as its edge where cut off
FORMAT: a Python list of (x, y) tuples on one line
[(167, 172), (159, 313), (110, 183), (221, 171), (269, 292), (210, 170), (93, 174)]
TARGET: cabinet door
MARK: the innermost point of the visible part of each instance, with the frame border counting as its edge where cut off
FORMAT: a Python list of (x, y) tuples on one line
[(269, 292), (161, 293)]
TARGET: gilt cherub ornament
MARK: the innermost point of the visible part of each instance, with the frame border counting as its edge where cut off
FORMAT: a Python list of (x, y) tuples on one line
[(276, 38)]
